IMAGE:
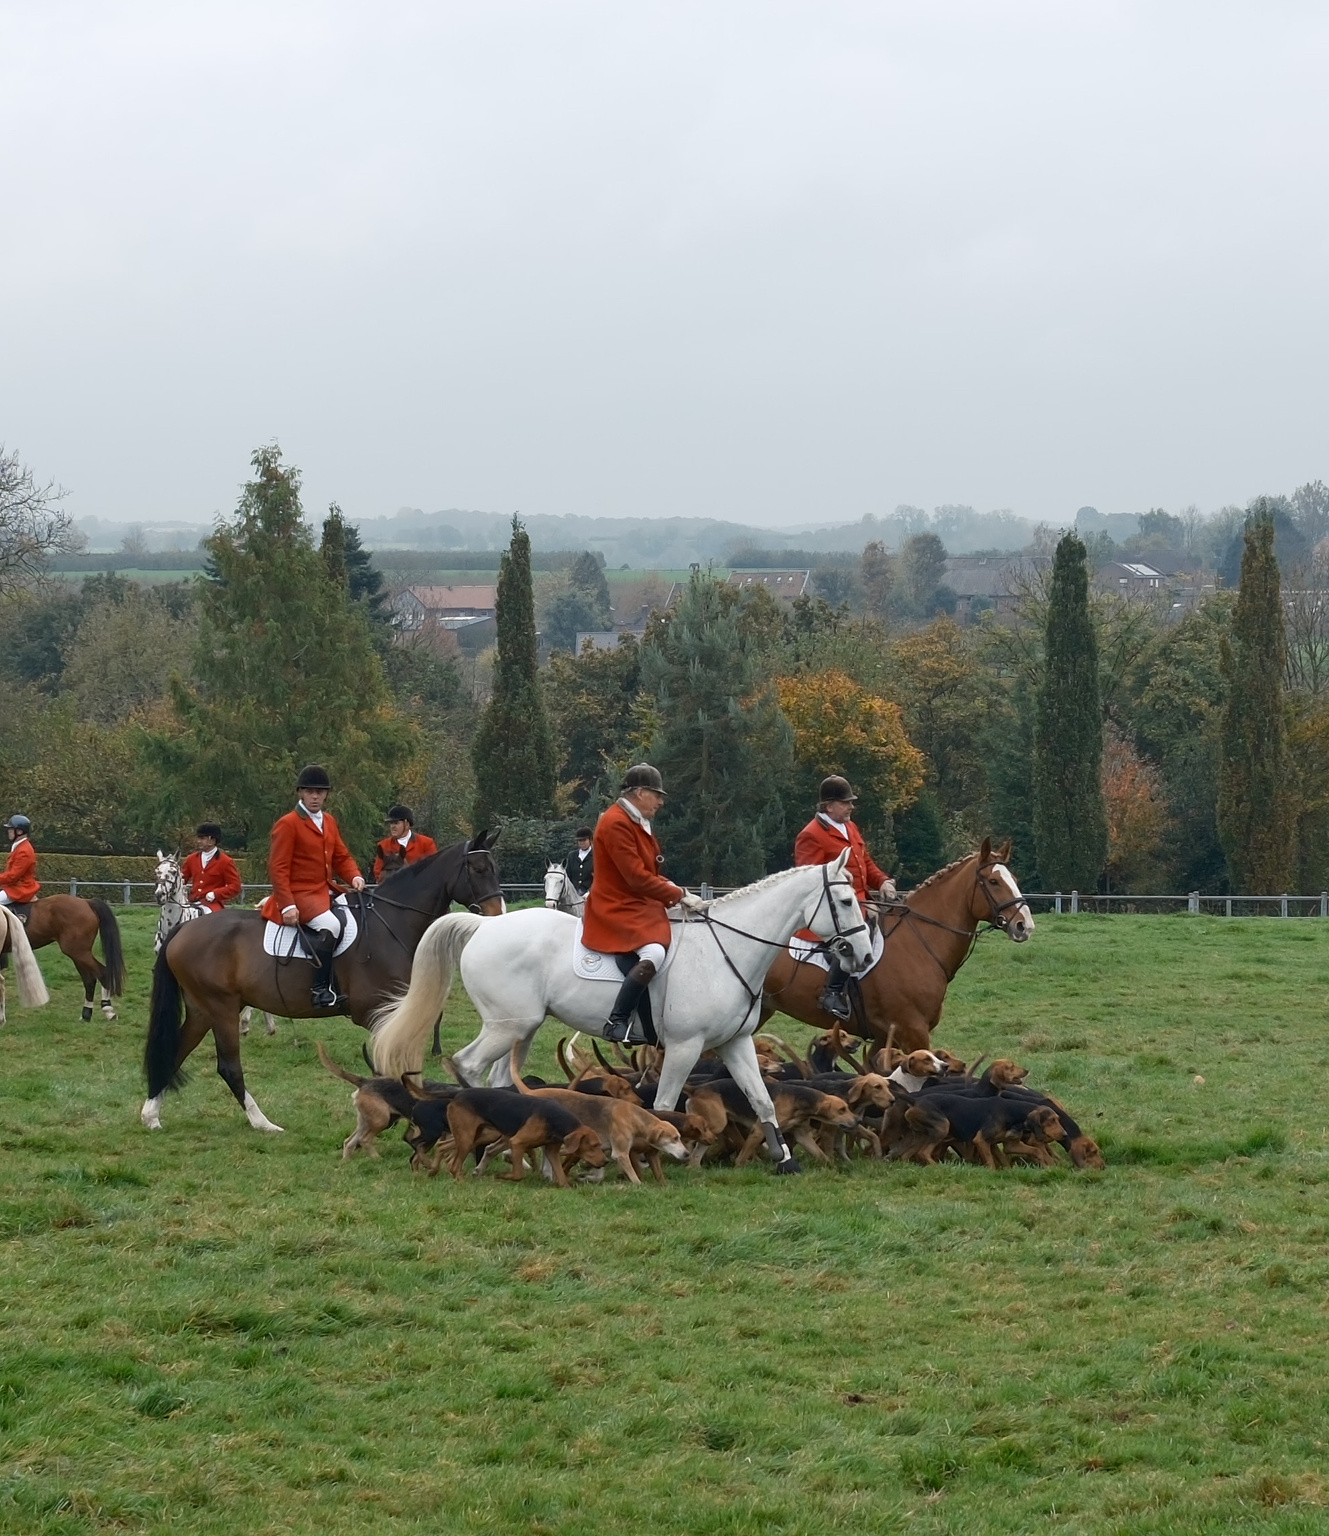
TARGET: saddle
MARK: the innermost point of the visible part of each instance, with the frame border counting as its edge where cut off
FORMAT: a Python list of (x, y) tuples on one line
[(21, 910)]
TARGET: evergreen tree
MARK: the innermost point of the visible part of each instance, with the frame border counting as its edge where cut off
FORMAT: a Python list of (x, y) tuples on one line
[(349, 562), (284, 673), (721, 742), (513, 750), (1070, 825), (876, 576), (1256, 809), (584, 606)]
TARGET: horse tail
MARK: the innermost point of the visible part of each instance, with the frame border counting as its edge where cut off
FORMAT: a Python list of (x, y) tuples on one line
[(113, 954), (163, 1044), (401, 1028), (32, 991)]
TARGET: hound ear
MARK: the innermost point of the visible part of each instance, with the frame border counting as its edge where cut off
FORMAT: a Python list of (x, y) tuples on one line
[(985, 852)]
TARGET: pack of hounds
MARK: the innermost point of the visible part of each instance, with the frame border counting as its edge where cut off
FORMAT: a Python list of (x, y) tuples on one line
[(919, 1106)]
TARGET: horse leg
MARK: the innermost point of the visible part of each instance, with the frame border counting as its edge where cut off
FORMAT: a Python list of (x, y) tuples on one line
[(492, 1047), (226, 1032), (245, 1015), (272, 1024), (740, 1056), (89, 978), (107, 1006), (2, 997), (437, 1048), (679, 1059), (193, 1029)]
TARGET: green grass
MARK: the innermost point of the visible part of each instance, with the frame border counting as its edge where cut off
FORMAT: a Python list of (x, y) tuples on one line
[(212, 1330)]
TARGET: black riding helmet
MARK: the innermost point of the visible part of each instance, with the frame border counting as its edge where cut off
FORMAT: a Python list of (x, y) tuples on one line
[(836, 787), (19, 824), (643, 776), (315, 776), (401, 813)]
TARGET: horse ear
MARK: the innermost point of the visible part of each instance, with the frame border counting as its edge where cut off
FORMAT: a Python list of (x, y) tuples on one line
[(985, 852), (477, 843), (1004, 852), (494, 838), (160, 855), (841, 862)]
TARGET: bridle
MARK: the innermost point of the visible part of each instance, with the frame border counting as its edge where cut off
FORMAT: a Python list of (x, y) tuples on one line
[(369, 904), (999, 918)]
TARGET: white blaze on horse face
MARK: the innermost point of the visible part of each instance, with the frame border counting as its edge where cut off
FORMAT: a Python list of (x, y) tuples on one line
[(1021, 923)]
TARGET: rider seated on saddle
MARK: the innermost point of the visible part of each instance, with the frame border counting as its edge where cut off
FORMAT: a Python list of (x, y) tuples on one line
[(626, 908), (18, 879), (210, 874), (825, 838), (307, 856), (403, 845)]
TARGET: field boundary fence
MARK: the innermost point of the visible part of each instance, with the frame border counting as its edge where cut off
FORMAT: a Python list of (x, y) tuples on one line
[(139, 893)]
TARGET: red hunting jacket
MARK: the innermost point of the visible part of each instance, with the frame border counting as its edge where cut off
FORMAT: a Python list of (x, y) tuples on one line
[(18, 879), (819, 844), (418, 847), (218, 878), (625, 907), (303, 864)]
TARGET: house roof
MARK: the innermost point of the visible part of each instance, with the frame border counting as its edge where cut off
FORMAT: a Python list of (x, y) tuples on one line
[(454, 599), (989, 575), (787, 584)]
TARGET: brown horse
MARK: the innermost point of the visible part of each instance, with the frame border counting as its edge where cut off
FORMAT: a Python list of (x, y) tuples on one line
[(927, 938), (75, 924), (216, 965)]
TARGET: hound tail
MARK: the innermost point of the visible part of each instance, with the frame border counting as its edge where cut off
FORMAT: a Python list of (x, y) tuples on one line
[(113, 953), (400, 1029), (32, 991), (163, 1046)]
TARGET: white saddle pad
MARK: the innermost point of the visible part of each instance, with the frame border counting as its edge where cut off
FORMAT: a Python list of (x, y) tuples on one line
[(805, 950), (591, 965), (282, 941)]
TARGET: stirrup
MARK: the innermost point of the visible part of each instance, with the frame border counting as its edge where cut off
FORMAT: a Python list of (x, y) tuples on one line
[(327, 997), (836, 1004), (619, 1032)]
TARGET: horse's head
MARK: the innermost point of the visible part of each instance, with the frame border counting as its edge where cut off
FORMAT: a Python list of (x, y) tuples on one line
[(478, 886), (837, 916), (997, 898), (170, 883), (556, 882)]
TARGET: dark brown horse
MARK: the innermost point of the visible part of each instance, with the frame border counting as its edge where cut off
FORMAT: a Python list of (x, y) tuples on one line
[(75, 925), (928, 936), (217, 965)]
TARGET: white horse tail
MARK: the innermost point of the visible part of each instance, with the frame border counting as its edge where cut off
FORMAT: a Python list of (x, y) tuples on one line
[(400, 1029), (32, 991)]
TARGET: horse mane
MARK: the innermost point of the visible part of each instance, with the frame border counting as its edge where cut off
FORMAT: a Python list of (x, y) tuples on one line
[(408, 874), (760, 885), (942, 873)]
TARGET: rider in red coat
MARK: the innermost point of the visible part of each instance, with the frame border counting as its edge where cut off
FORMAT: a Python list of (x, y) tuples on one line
[(18, 879), (403, 842), (825, 838), (211, 874), (306, 859), (626, 908)]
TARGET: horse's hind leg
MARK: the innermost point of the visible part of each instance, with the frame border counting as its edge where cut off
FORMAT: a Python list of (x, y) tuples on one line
[(740, 1056), (89, 978), (226, 1032)]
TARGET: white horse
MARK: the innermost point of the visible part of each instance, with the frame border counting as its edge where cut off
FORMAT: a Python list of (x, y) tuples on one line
[(32, 991), (518, 969), (560, 893), (176, 908)]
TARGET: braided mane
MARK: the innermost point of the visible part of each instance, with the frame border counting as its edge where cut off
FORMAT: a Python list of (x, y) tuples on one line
[(762, 884), (932, 879)]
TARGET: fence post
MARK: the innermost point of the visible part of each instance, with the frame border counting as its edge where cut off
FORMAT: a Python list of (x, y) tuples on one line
[(1229, 906), (128, 897), (1324, 903), (1193, 902), (706, 891), (1075, 902), (73, 887), (1282, 905), (1058, 903)]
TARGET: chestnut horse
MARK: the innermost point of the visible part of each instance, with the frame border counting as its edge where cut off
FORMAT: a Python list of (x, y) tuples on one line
[(928, 935), (75, 924), (217, 965)]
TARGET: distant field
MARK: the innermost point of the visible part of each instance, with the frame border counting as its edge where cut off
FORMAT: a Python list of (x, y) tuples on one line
[(444, 578), (210, 1330)]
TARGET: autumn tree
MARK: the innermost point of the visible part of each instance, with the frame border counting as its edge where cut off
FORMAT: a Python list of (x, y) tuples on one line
[(513, 750), (1136, 810), (1070, 826), (876, 576), (1256, 801)]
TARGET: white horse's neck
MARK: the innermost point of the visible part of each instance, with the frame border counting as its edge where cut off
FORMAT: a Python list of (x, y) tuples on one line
[(766, 915)]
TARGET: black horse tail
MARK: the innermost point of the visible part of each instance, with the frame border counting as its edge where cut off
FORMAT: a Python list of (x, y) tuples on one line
[(113, 953), (163, 1045)]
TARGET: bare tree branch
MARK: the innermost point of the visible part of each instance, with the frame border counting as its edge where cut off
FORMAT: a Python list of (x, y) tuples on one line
[(33, 525)]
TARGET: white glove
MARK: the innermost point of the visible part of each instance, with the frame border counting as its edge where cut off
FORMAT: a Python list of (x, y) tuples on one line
[(358, 884), (691, 903), (887, 891), (211, 896)]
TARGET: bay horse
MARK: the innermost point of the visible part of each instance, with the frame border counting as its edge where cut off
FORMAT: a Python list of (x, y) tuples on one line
[(928, 935), (215, 966), (75, 924), (32, 991), (518, 970)]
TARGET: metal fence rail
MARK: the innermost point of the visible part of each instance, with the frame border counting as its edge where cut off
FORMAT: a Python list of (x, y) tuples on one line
[(131, 893)]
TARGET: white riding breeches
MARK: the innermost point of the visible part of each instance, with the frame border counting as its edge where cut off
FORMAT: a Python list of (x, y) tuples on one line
[(4, 899), (325, 922), (655, 953)]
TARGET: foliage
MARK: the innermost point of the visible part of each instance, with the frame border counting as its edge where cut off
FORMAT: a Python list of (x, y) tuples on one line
[(1133, 801), (33, 525), (922, 566), (724, 748), (1256, 799), (1070, 827), (284, 673), (920, 841), (1308, 751), (1291, 548), (513, 750), (593, 704), (127, 648)]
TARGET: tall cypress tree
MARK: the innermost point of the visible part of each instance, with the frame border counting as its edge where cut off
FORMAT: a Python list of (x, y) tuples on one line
[(1256, 811), (1070, 825), (513, 750)]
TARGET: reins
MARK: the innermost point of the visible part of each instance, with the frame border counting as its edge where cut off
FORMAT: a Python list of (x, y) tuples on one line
[(901, 908)]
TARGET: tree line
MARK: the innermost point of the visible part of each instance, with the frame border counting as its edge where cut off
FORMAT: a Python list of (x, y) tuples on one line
[(1121, 744)]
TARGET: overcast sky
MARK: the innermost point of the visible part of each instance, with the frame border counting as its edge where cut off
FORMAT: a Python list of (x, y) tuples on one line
[(769, 261)]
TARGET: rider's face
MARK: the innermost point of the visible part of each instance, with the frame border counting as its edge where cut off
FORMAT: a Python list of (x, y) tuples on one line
[(206, 844), (649, 801), (839, 810), (399, 828), (313, 799)]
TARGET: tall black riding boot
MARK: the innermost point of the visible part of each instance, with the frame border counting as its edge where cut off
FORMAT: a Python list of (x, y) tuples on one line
[(619, 1023), (834, 996), (324, 993)]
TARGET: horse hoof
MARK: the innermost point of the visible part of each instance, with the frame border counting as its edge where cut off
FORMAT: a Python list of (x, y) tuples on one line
[(109, 1015), (87, 1015), (790, 1165), (151, 1122)]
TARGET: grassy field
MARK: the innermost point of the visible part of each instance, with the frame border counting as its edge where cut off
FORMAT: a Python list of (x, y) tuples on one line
[(212, 1330)]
